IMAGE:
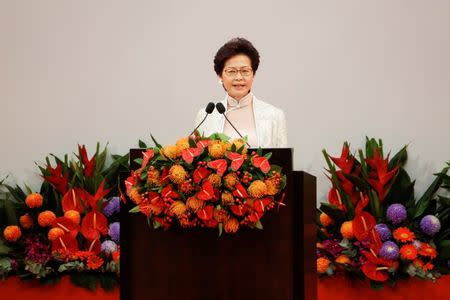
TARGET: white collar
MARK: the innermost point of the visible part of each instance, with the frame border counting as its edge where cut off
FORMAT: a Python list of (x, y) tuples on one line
[(232, 103)]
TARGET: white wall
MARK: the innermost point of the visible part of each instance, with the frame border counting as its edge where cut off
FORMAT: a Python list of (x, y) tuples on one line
[(85, 71)]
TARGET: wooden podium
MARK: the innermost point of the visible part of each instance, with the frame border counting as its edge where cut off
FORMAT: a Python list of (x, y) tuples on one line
[(276, 263)]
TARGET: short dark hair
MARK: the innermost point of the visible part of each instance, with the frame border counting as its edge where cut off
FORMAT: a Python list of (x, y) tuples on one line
[(234, 47)]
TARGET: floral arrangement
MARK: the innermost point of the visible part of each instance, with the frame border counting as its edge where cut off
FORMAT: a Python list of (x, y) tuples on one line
[(372, 225), (69, 226), (205, 182)]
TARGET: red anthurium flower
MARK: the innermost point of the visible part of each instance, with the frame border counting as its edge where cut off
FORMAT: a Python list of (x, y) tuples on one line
[(146, 157), (212, 223), (165, 176), (236, 160), (219, 164), (57, 178), (130, 181), (203, 143), (346, 161), (67, 225), (200, 174), (240, 191), (206, 213), (88, 164), (66, 242), (72, 200), (238, 210), (262, 163), (260, 205), (154, 204), (92, 200), (362, 225), (207, 191), (94, 224), (93, 246), (255, 216), (189, 154), (374, 272), (335, 199), (167, 192)]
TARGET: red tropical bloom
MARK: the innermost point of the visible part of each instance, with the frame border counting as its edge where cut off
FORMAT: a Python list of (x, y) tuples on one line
[(236, 160), (262, 163), (146, 157), (67, 225), (94, 224), (88, 164), (57, 179), (65, 243), (381, 175), (93, 200), (345, 162), (72, 200)]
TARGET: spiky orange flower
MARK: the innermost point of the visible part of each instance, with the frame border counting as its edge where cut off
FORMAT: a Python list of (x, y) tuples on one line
[(427, 250), (322, 265), (215, 180), (46, 218), (257, 189), (134, 195), (182, 144), (238, 143), (404, 235), (34, 200), (153, 177), (230, 180), (26, 221), (273, 185), (178, 208), (169, 151), (408, 252), (177, 174), (194, 203), (12, 233), (217, 149), (227, 198), (94, 262), (231, 225), (343, 259)]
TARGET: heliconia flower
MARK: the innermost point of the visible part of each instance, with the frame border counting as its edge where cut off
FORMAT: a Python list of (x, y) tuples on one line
[(383, 176), (94, 224), (335, 198), (430, 225), (93, 200), (88, 164), (396, 213), (57, 179), (346, 161), (130, 182)]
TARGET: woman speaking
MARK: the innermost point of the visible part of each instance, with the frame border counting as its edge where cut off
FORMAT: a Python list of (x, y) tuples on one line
[(264, 125)]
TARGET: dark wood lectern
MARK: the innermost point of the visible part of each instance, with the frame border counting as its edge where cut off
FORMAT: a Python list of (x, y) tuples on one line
[(276, 263)]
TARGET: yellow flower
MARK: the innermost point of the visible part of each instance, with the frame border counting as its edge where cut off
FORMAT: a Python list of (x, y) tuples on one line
[(217, 149), (194, 204), (169, 151), (215, 180), (230, 180), (182, 144), (257, 189), (177, 174), (178, 208)]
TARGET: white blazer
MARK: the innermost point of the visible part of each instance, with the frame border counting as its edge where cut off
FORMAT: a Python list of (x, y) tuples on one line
[(270, 124)]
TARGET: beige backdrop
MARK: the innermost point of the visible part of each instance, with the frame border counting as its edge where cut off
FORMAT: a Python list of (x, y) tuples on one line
[(114, 71)]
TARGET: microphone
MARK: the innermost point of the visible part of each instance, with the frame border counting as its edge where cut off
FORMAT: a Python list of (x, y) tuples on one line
[(209, 109), (221, 109)]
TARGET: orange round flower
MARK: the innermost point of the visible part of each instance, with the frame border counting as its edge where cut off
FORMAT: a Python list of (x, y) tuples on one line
[(325, 219), (257, 189), (408, 252), (347, 230), (217, 149), (46, 218), (215, 180), (343, 259), (55, 233), (194, 203), (230, 180), (12, 233), (135, 196), (34, 200), (404, 235), (94, 262), (73, 215), (169, 151), (182, 144), (178, 208), (238, 143), (322, 265), (231, 225), (26, 221), (177, 174), (227, 198), (273, 185), (153, 177), (427, 250)]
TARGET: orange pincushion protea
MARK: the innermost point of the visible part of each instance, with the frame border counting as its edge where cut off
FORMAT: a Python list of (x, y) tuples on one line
[(217, 149), (134, 195), (227, 198), (403, 235), (273, 185), (230, 180), (153, 177), (55, 233), (12, 233), (182, 144), (46, 218), (94, 262), (257, 189), (26, 221), (220, 215), (178, 208), (408, 252), (177, 174), (231, 225), (215, 180), (34, 200), (325, 219), (169, 151), (322, 265), (73, 215), (343, 259), (194, 203), (347, 230), (427, 250)]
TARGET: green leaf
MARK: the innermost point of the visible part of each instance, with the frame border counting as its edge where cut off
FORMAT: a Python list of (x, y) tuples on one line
[(268, 155), (259, 151), (142, 144), (88, 281), (9, 212), (399, 158), (233, 148), (192, 143), (424, 201), (259, 225), (444, 200), (375, 285), (108, 281), (333, 212), (154, 141), (220, 227), (135, 209), (443, 249), (156, 225), (4, 249)]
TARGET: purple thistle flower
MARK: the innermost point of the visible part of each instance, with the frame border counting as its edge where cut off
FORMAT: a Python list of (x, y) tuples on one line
[(396, 213), (114, 231), (417, 244), (383, 231), (389, 250), (430, 225), (112, 207), (333, 247), (108, 246)]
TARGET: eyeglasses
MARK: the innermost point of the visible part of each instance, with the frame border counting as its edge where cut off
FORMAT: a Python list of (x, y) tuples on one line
[(232, 72)]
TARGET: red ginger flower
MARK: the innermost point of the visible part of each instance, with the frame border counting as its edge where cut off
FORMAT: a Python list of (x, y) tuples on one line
[(88, 164), (57, 179), (346, 161), (382, 174)]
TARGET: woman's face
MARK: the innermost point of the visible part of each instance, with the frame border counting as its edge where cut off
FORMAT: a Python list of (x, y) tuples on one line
[(237, 76)]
